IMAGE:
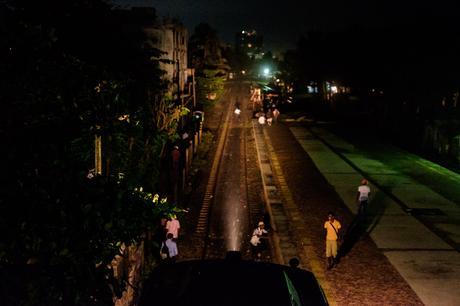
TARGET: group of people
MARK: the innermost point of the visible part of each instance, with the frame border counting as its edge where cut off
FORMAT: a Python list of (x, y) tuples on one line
[(170, 228), (268, 118), (333, 226)]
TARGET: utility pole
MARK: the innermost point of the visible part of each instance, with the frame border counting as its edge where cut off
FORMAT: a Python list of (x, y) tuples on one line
[(98, 152), (193, 84), (178, 81)]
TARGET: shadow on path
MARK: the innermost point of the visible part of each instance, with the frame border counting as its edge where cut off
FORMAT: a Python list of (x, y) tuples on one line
[(362, 225)]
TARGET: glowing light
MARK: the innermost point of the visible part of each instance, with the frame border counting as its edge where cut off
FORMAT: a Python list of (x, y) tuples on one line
[(310, 89), (334, 89), (266, 71), (234, 220)]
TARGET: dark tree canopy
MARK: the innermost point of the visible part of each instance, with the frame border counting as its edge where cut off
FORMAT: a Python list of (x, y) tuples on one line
[(73, 70)]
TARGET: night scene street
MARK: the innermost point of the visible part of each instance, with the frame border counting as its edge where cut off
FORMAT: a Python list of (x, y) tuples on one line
[(229, 153)]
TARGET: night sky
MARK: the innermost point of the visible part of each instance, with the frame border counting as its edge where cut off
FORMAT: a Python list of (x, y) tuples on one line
[(282, 22)]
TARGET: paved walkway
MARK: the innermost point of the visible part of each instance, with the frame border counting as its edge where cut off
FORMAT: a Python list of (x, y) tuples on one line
[(423, 253), (299, 198)]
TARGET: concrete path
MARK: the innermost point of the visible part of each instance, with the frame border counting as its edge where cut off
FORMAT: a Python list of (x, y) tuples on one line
[(416, 227)]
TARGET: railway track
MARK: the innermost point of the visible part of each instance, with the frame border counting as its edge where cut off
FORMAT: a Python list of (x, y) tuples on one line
[(231, 207)]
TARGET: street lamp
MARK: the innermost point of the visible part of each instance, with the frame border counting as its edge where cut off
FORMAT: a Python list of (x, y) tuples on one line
[(266, 71)]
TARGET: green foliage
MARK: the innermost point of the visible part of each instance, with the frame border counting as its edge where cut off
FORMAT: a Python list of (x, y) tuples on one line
[(206, 58), (204, 47), (76, 230), (209, 83), (205, 146)]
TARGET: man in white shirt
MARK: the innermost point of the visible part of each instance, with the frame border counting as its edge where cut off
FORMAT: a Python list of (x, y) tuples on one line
[(363, 197), (262, 120), (257, 240)]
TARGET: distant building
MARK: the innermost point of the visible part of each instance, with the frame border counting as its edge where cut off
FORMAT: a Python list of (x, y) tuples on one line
[(250, 43), (171, 38)]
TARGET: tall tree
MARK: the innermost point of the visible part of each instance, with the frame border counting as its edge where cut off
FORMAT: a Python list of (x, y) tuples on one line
[(205, 47), (206, 57)]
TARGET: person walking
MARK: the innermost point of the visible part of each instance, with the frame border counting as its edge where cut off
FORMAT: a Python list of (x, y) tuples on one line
[(269, 118), (262, 119), (237, 113), (175, 158), (362, 197), (332, 227), (175, 163), (173, 226), (294, 262), (160, 231), (169, 247), (276, 114), (237, 110)]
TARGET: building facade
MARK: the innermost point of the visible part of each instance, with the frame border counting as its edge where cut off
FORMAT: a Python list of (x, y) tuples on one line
[(172, 39), (168, 36)]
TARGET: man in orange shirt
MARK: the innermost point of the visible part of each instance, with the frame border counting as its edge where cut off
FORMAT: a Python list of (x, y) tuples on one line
[(332, 227)]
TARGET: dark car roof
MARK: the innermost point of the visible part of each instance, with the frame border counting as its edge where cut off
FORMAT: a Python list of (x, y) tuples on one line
[(230, 282)]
